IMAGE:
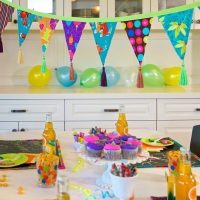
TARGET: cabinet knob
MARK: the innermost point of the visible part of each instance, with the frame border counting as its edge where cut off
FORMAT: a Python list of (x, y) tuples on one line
[(18, 111), (14, 130), (111, 110), (22, 129), (196, 21), (15, 21), (198, 109)]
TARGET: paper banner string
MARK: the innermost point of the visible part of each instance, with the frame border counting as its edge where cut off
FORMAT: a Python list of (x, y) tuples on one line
[(47, 27), (138, 32), (25, 20), (73, 31), (177, 26), (6, 12), (103, 34)]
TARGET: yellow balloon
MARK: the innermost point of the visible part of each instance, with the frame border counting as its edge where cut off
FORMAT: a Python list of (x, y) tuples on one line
[(172, 75), (38, 78)]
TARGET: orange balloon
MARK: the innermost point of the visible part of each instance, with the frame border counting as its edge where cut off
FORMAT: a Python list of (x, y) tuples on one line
[(38, 78)]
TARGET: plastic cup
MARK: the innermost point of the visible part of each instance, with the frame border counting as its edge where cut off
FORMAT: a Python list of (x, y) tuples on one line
[(47, 165)]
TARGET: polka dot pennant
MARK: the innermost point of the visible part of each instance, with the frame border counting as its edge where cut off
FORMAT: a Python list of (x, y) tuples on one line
[(138, 32)]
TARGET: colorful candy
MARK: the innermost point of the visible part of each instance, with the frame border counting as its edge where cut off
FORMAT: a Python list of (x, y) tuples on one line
[(124, 170)]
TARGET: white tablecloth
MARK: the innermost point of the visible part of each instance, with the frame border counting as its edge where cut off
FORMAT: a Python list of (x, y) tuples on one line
[(151, 181)]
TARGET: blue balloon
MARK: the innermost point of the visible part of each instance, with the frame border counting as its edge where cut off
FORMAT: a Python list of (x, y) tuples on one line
[(62, 75), (112, 76)]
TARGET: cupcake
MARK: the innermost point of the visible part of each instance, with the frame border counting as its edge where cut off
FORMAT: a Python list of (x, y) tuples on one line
[(129, 151), (113, 135), (112, 151), (90, 139), (94, 149), (137, 143)]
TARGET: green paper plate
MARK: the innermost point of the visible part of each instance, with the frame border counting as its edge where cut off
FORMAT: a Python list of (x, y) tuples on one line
[(150, 141), (12, 159)]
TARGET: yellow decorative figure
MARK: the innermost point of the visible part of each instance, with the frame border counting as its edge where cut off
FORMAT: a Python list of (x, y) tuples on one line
[(172, 75), (38, 78)]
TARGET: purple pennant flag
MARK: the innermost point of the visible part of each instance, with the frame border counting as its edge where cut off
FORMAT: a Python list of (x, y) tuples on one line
[(138, 32), (73, 31), (6, 12)]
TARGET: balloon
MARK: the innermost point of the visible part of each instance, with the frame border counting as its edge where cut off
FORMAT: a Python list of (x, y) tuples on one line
[(152, 76), (38, 78), (128, 76), (62, 75), (112, 76), (172, 75), (90, 78)]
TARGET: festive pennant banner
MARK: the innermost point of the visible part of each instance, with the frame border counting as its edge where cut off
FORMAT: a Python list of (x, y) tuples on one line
[(47, 27), (73, 31), (177, 26), (138, 32), (6, 12), (25, 20), (103, 34)]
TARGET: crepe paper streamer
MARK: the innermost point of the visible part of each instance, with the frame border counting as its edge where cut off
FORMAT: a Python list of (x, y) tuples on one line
[(25, 21), (47, 27), (103, 34), (6, 12), (80, 163), (138, 32), (178, 26), (73, 32), (61, 164), (107, 19)]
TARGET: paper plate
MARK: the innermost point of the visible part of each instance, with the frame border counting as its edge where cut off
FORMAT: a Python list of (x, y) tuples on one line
[(12, 159), (150, 141)]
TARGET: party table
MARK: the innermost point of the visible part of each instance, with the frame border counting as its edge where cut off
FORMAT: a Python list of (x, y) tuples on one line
[(151, 181)]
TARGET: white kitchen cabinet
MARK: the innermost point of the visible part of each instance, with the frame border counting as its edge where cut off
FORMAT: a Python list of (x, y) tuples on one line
[(179, 130), (196, 19), (109, 126), (157, 5), (7, 127)]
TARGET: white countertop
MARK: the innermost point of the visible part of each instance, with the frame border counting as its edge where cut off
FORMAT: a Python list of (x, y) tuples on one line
[(26, 92), (151, 181)]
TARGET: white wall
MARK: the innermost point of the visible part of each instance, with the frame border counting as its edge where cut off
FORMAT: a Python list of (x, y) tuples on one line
[(158, 51)]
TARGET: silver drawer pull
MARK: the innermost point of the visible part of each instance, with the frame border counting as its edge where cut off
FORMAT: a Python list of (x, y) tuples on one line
[(198, 109), (111, 110), (19, 111)]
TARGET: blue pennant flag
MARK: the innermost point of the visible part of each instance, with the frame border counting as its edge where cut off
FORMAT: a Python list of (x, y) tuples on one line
[(177, 26)]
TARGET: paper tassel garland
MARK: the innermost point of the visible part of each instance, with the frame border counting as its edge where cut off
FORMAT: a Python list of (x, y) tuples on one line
[(103, 33), (138, 32), (73, 31), (6, 12), (47, 27), (25, 20), (177, 26)]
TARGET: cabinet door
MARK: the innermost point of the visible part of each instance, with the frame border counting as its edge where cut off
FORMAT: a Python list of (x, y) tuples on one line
[(110, 126), (31, 126), (121, 8), (85, 8), (157, 5), (8, 127), (196, 18), (178, 130)]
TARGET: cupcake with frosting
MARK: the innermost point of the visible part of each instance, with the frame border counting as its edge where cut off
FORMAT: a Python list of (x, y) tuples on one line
[(113, 135), (90, 139), (112, 151), (94, 149), (137, 143), (127, 137), (129, 151)]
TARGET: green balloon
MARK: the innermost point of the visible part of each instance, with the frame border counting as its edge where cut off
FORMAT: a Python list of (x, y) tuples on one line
[(90, 78), (152, 76)]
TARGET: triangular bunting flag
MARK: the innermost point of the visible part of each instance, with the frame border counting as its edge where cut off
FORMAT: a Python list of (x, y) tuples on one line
[(47, 27), (25, 20), (177, 26), (103, 33), (73, 31), (6, 12), (138, 32)]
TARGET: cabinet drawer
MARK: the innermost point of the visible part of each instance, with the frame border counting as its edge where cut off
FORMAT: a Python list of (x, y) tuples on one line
[(178, 109), (31, 110), (110, 126), (136, 109), (8, 127)]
